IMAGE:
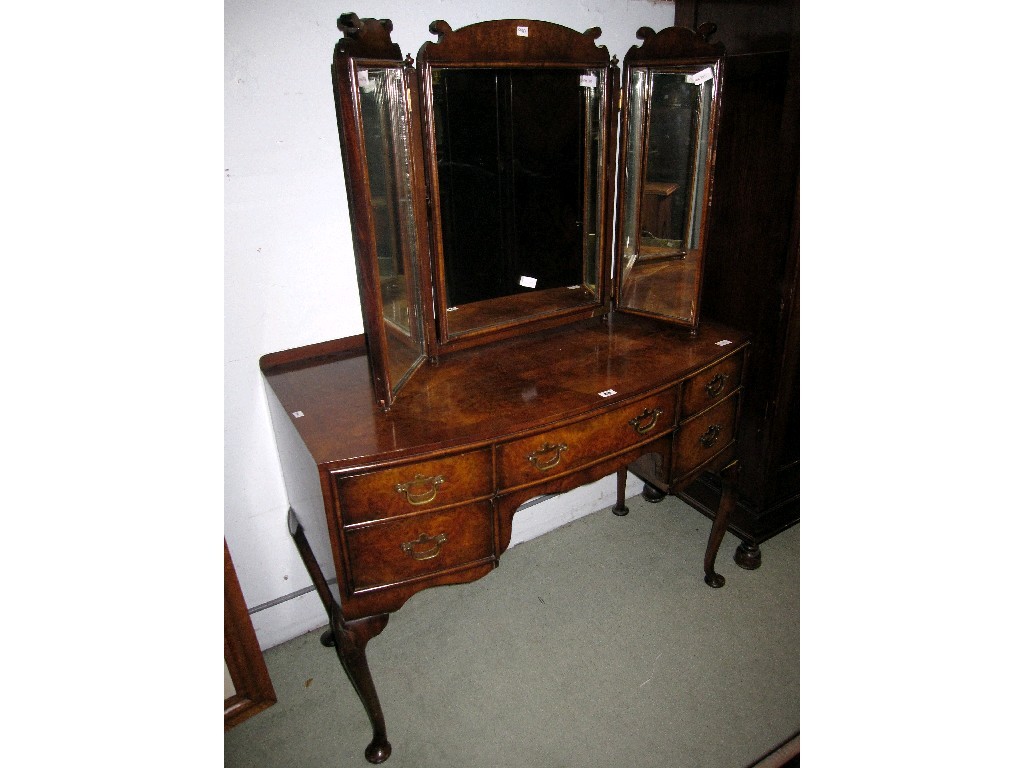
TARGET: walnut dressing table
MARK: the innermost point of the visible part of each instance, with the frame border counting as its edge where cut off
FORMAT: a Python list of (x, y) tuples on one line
[(502, 359), (394, 502)]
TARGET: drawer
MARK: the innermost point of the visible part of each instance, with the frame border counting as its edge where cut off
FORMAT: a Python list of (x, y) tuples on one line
[(704, 435), (386, 553), (414, 487), (712, 384), (562, 450)]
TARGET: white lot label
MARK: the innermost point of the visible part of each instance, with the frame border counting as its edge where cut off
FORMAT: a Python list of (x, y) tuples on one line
[(523, 31), (704, 75), (528, 282), (588, 81)]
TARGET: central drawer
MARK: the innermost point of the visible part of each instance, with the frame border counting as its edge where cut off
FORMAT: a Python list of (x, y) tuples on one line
[(393, 551), (553, 453)]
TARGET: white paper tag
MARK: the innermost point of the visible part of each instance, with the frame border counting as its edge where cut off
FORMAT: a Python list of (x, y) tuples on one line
[(298, 414), (608, 393), (523, 31), (588, 81), (722, 343), (704, 75), (528, 282), (365, 83)]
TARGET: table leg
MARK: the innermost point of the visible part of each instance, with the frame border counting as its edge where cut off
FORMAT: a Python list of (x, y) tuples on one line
[(721, 522), (349, 639), (620, 507)]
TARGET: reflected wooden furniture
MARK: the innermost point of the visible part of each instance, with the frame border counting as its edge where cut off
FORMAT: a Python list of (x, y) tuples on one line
[(656, 210), (253, 690), (388, 503)]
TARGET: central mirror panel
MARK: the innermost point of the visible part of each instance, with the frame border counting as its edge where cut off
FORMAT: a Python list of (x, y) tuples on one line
[(519, 155), (520, 177)]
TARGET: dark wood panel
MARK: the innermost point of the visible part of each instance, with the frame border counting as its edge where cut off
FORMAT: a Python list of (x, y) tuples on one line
[(752, 273)]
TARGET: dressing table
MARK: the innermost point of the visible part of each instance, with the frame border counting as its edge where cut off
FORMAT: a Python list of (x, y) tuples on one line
[(503, 358)]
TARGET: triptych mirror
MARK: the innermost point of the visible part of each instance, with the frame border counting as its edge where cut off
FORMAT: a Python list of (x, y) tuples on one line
[(489, 181)]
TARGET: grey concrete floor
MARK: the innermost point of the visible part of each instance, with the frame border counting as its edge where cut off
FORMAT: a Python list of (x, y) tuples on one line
[(595, 645)]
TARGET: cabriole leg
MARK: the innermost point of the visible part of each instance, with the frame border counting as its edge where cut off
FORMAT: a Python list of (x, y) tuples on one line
[(349, 639), (721, 522)]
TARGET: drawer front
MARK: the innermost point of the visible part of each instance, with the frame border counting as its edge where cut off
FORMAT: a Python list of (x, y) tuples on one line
[(703, 436), (712, 385), (414, 487), (394, 551), (562, 450)]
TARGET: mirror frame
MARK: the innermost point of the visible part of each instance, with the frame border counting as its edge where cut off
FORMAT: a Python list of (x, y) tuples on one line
[(367, 44), (682, 49), (499, 45)]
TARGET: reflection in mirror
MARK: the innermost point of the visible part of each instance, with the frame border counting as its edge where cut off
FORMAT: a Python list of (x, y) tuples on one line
[(519, 159), (667, 144), (385, 131)]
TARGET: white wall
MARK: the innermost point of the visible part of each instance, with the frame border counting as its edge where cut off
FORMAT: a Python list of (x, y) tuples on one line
[(289, 271)]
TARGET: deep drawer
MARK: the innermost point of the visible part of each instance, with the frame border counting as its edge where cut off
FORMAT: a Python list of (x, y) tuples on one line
[(414, 487), (704, 435), (395, 551), (712, 385), (562, 450)]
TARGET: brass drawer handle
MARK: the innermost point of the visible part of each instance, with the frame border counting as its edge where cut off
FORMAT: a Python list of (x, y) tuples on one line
[(415, 548), (710, 437), (651, 417), (716, 385), (425, 489), (547, 456)]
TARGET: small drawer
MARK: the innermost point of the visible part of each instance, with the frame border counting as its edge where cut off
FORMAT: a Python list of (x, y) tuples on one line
[(704, 435), (712, 384), (414, 487), (562, 450), (387, 553)]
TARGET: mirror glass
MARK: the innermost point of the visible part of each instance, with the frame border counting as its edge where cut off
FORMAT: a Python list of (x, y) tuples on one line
[(385, 131), (519, 155), (667, 143)]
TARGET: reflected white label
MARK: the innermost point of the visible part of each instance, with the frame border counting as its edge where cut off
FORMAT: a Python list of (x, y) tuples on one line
[(704, 75), (608, 393), (722, 343), (298, 414)]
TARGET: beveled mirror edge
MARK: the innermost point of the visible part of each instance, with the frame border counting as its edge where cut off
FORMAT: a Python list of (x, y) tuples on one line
[(367, 42), (672, 47)]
